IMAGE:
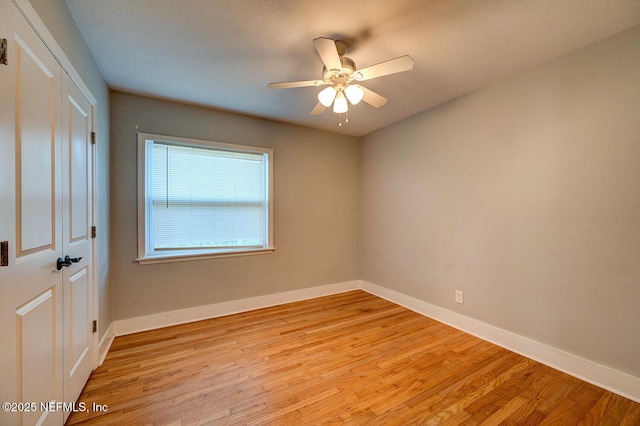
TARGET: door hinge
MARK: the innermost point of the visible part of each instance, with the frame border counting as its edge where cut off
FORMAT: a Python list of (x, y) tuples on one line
[(4, 253), (93, 232), (95, 326), (4, 51), (93, 138)]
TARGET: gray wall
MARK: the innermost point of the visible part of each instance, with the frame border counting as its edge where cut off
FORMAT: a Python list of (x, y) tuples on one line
[(57, 18), (316, 202), (526, 196)]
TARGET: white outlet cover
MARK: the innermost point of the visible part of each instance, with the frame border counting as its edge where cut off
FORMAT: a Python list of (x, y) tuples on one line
[(459, 296)]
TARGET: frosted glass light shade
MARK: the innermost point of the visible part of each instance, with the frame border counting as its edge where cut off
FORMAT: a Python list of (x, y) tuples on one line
[(326, 96), (340, 104), (354, 94)]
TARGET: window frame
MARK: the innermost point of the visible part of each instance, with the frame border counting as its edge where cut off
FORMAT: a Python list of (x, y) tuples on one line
[(146, 253)]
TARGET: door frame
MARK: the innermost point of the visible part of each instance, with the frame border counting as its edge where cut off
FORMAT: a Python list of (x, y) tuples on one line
[(45, 35)]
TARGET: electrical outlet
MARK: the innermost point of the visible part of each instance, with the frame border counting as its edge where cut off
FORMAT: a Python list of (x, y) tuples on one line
[(459, 297)]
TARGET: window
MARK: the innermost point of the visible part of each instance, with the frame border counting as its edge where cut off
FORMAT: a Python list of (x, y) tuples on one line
[(199, 199)]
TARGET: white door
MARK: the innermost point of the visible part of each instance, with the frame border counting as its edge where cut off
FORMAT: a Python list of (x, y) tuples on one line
[(31, 217), (76, 239), (42, 218)]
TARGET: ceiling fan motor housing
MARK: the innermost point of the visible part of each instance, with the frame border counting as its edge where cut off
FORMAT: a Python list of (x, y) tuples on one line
[(348, 68)]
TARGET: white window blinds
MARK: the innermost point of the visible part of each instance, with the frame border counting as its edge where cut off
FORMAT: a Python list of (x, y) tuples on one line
[(201, 197)]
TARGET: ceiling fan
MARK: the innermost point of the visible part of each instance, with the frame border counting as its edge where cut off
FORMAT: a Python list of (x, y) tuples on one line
[(342, 76)]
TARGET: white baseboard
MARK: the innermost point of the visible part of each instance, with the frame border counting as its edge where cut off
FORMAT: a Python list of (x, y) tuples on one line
[(165, 319), (105, 344), (605, 377)]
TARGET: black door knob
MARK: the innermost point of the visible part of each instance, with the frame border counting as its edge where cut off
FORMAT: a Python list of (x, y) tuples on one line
[(67, 261), (61, 263)]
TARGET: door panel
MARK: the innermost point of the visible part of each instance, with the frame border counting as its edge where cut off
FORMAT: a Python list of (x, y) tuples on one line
[(79, 342), (79, 133), (77, 288), (35, 149), (37, 383), (31, 206)]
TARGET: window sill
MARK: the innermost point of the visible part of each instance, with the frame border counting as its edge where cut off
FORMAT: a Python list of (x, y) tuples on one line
[(185, 257)]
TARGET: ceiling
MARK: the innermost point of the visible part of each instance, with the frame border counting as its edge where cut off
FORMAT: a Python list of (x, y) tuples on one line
[(223, 53)]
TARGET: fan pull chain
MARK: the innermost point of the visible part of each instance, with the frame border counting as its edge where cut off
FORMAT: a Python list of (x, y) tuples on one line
[(346, 118)]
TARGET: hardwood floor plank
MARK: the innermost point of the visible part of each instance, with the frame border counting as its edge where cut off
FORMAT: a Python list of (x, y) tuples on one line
[(619, 412), (505, 411), (597, 411), (477, 397), (348, 358)]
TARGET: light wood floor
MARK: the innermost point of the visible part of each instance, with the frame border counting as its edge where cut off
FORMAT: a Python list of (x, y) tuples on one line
[(348, 358)]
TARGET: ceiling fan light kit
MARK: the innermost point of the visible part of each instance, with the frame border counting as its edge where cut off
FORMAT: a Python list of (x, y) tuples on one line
[(340, 103), (326, 96), (339, 72), (354, 93)]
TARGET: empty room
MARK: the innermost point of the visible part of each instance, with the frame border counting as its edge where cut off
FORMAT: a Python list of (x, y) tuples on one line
[(295, 212)]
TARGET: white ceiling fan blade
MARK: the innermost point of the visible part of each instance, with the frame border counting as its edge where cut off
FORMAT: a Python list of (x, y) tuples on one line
[(319, 109), (292, 84), (328, 53), (372, 98), (392, 66)]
